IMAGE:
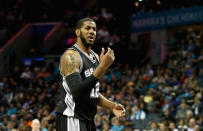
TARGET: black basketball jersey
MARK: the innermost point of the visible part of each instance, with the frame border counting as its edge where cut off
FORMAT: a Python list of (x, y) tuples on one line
[(84, 108)]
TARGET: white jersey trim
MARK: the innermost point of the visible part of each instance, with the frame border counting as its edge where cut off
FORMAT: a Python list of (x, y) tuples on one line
[(73, 124), (69, 111), (93, 61)]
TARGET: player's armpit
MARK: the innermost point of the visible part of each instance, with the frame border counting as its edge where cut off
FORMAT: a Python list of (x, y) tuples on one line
[(70, 62)]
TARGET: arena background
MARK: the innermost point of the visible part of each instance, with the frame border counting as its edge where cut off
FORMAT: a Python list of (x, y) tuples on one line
[(157, 74)]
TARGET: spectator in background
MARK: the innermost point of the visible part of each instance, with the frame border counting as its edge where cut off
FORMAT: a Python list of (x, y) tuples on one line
[(191, 45), (190, 99), (138, 114), (2, 110), (11, 110), (26, 74), (200, 121), (181, 113), (35, 125), (166, 104), (181, 124), (45, 124), (192, 124), (149, 100), (173, 100), (117, 126), (172, 126), (167, 116), (10, 126), (162, 127), (154, 126), (43, 73), (135, 104), (189, 115), (197, 107)]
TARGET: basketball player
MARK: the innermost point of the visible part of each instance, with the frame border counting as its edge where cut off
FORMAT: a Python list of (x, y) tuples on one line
[(81, 69)]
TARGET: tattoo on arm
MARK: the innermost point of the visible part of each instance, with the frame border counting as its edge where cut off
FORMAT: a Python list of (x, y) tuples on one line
[(70, 62)]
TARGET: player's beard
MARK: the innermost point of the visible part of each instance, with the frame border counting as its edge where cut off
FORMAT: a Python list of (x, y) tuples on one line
[(84, 41)]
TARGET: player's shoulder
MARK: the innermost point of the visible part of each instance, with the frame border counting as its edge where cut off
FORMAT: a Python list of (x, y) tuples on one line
[(71, 52), (69, 62), (70, 55)]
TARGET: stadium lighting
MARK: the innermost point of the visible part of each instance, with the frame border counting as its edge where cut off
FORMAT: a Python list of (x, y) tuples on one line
[(136, 4), (158, 2)]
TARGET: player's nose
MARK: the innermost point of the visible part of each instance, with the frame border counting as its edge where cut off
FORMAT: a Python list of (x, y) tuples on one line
[(92, 32)]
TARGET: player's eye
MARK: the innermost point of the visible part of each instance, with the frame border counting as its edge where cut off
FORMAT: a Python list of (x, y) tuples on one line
[(87, 28), (94, 28)]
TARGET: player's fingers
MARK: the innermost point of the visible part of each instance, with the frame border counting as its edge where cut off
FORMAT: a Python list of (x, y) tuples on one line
[(121, 106), (109, 51), (102, 52), (112, 52)]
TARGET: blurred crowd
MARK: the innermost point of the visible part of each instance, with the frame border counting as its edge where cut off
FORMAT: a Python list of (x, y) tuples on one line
[(27, 94)]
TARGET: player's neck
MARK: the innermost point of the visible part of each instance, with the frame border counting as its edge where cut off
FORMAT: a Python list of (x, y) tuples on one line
[(83, 48)]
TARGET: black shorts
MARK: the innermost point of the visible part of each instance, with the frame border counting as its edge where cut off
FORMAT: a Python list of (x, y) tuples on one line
[(65, 123)]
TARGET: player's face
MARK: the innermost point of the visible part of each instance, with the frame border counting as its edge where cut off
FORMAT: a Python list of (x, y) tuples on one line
[(88, 33)]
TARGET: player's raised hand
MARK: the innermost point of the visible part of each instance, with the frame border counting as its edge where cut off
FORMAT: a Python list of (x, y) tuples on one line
[(106, 59)]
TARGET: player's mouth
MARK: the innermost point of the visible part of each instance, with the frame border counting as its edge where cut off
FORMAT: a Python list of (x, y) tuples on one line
[(90, 38)]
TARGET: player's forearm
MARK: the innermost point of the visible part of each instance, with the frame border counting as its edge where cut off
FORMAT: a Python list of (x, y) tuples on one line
[(104, 102), (78, 86), (99, 72)]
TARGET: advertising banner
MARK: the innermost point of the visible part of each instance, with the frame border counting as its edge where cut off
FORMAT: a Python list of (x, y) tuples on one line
[(165, 19)]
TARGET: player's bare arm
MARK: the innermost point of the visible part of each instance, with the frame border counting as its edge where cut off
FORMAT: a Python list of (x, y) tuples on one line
[(70, 62), (103, 102), (116, 108)]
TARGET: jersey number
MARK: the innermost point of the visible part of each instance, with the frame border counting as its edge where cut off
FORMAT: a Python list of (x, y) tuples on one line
[(95, 91)]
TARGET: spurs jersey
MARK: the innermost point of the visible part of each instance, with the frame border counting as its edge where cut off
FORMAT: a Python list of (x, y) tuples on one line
[(84, 108)]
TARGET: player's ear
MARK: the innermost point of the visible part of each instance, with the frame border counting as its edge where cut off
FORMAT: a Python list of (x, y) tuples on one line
[(77, 32)]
